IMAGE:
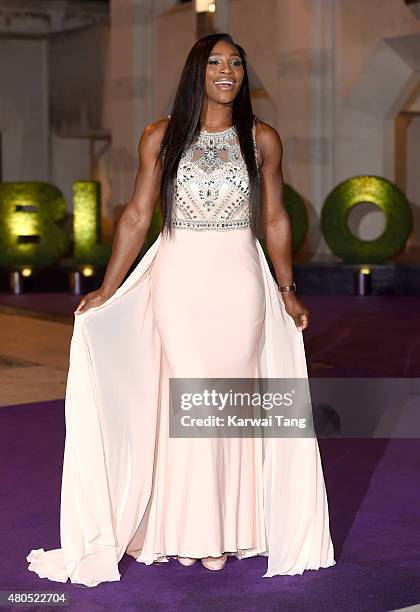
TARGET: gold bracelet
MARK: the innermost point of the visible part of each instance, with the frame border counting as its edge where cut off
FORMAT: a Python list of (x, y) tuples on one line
[(287, 288)]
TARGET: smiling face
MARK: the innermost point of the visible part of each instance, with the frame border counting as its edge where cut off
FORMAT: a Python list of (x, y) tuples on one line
[(224, 73)]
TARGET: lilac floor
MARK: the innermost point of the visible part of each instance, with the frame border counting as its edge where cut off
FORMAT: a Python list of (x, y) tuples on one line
[(348, 336), (374, 500), (55, 304), (373, 490)]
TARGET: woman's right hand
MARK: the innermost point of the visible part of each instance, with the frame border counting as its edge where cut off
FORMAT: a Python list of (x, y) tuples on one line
[(92, 300)]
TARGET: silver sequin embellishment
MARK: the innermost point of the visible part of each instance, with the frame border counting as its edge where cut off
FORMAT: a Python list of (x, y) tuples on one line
[(212, 188)]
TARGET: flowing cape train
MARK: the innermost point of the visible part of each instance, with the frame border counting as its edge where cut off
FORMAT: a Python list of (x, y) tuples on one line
[(111, 414)]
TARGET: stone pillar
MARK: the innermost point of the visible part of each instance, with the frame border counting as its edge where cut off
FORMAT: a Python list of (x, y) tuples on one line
[(221, 16), (24, 109), (322, 126), (132, 101)]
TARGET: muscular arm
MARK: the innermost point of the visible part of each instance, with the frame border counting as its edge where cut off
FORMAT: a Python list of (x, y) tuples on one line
[(275, 220), (135, 221)]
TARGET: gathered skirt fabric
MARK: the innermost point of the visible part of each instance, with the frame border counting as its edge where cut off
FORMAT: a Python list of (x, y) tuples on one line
[(198, 304)]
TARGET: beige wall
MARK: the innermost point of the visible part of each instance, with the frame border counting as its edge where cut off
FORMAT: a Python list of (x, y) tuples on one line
[(338, 73), (332, 76), (24, 112), (133, 80), (174, 37)]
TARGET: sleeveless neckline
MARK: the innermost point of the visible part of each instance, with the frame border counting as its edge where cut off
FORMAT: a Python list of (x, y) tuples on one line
[(227, 137), (227, 133), (219, 131)]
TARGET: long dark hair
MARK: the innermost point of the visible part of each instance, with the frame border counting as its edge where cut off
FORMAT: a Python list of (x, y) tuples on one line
[(184, 126)]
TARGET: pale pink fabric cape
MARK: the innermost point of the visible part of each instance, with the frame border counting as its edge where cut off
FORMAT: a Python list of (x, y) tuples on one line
[(111, 419)]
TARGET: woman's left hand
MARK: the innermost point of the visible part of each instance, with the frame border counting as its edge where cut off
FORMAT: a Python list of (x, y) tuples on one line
[(296, 309)]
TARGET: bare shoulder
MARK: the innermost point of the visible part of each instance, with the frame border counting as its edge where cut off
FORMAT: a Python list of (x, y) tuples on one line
[(152, 135), (268, 140)]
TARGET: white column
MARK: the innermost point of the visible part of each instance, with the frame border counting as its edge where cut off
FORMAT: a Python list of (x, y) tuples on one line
[(322, 134), (132, 70), (24, 115), (221, 16)]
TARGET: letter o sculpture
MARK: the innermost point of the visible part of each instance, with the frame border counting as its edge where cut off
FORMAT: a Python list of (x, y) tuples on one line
[(373, 190)]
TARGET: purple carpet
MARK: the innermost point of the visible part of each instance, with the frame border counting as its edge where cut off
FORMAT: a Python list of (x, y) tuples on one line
[(54, 304), (374, 503), (348, 336), (373, 490)]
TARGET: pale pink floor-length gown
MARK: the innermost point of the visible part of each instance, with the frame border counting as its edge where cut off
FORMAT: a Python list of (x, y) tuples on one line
[(200, 304)]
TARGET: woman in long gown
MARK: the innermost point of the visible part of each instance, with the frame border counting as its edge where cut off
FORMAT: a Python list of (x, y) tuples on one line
[(201, 303)]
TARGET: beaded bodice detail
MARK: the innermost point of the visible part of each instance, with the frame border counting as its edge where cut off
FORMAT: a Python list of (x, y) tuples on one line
[(212, 188)]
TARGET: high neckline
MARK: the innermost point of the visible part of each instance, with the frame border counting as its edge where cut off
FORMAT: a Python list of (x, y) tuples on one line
[(217, 131), (215, 134)]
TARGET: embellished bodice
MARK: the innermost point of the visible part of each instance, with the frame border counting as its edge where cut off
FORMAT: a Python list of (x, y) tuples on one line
[(212, 188)]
